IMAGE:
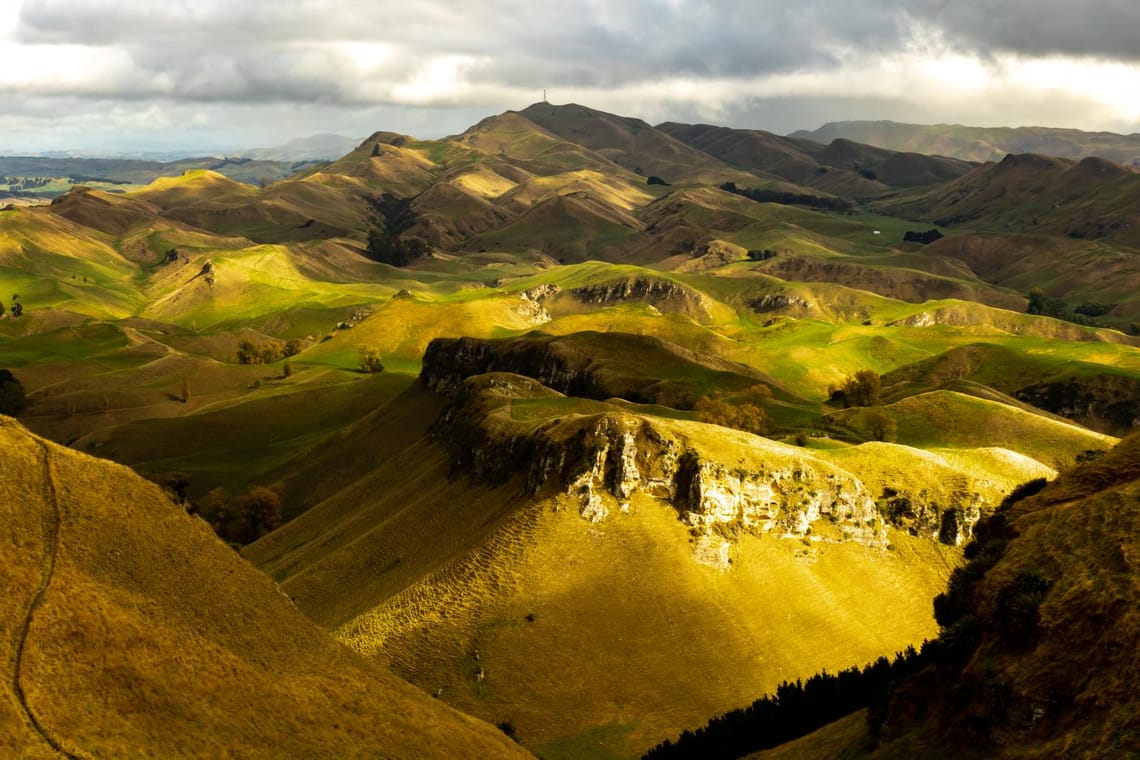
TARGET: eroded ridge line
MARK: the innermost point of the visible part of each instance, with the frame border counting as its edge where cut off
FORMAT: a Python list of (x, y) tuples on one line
[(51, 520)]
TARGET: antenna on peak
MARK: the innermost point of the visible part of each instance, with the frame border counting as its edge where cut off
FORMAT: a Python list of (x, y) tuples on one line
[(544, 100)]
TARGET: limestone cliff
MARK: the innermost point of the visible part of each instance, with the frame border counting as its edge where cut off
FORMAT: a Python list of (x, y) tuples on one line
[(721, 482)]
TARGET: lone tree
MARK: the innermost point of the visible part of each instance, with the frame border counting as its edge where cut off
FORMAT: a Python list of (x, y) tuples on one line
[(882, 427), (13, 400)]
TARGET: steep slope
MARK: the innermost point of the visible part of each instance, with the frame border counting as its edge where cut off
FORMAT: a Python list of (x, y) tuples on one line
[(130, 630), (513, 137), (1101, 397), (947, 418), (1040, 629), (1035, 658), (1076, 271), (485, 590), (594, 365)]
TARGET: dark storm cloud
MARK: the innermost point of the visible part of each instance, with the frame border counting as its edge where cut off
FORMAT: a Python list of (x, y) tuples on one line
[(1094, 28), (286, 50), (237, 50), (660, 59)]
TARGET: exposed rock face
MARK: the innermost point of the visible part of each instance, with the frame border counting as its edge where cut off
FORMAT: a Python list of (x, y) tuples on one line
[(530, 306), (953, 526), (601, 460), (779, 302), (788, 499), (447, 363), (587, 364), (664, 295)]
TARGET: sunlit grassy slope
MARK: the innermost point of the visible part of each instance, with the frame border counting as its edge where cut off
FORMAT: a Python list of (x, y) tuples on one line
[(946, 418), (445, 580), (133, 631), (510, 588)]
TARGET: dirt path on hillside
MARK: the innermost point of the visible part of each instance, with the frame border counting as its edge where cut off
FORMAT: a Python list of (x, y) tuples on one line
[(51, 520)]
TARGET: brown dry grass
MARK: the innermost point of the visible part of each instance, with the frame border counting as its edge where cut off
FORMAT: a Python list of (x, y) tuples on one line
[(152, 638)]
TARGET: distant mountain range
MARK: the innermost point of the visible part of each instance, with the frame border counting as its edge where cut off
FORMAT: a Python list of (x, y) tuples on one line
[(980, 143), (322, 147)]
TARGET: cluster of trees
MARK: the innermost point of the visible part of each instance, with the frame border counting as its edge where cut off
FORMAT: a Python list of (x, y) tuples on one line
[(655, 180), (790, 199), (26, 183), (13, 399), (268, 352), (391, 217), (1048, 306), (240, 521), (762, 255), (796, 709), (245, 520), (925, 238), (747, 414)]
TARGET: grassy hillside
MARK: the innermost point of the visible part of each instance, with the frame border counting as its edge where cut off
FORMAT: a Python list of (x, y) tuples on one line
[(114, 650), (947, 418), (491, 596), (494, 600), (462, 536), (1094, 199)]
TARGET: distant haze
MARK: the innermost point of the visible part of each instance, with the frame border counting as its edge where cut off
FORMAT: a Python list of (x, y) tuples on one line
[(219, 77)]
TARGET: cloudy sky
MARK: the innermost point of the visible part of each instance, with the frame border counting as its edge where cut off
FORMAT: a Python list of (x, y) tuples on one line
[(228, 74)]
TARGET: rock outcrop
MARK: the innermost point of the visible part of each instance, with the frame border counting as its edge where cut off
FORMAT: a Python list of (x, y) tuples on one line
[(599, 461), (664, 295), (638, 368)]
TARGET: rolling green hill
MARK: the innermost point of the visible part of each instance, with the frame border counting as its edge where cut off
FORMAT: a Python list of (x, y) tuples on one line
[(566, 367)]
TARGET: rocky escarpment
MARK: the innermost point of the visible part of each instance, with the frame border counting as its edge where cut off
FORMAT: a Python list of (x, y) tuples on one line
[(638, 368), (448, 362), (601, 460), (664, 295)]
